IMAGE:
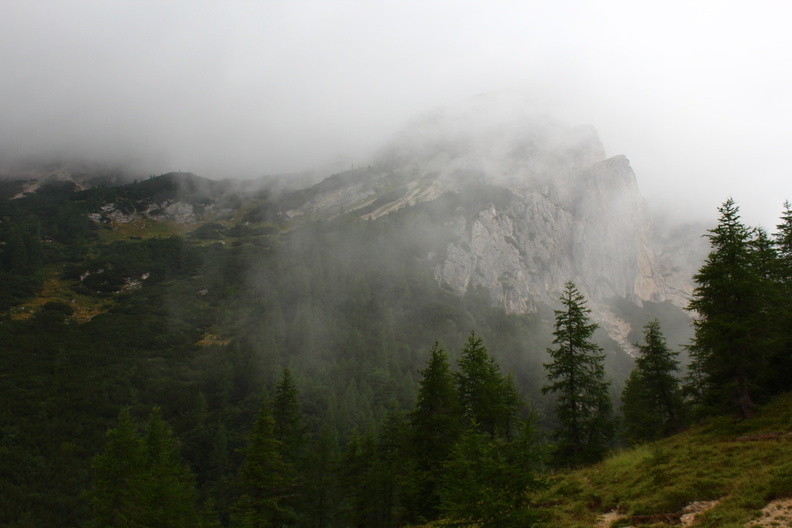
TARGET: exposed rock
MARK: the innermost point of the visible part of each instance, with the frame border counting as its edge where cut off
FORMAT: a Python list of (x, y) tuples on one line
[(600, 236), (573, 213)]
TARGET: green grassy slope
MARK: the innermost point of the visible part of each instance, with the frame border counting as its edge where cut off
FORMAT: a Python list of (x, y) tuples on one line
[(714, 461)]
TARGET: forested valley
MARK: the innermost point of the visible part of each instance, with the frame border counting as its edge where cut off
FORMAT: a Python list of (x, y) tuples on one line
[(257, 372)]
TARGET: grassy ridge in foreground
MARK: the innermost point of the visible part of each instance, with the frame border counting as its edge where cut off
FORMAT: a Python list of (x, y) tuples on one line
[(705, 463)]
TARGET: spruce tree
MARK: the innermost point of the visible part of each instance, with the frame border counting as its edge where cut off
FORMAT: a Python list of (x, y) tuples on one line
[(436, 424), (265, 479), (783, 236), (289, 428), (357, 476), (143, 481), (652, 398), (486, 481), (170, 493), (321, 490), (781, 362), (119, 477), (489, 399), (577, 374), (730, 301)]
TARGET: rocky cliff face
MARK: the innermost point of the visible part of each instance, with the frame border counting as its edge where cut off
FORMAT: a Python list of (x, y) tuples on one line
[(598, 233), (572, 213)]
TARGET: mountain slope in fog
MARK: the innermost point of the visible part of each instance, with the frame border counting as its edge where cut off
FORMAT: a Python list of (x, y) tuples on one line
[(558, 209)]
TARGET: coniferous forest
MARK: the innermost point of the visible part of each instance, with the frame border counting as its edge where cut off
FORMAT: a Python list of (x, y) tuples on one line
[(315, 374)]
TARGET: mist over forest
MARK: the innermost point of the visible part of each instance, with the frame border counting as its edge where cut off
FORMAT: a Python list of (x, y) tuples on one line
[(399, 264), (311, 315)]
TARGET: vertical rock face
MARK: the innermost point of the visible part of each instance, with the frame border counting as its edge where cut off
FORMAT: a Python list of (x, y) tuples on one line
[(561, 210), (612, 235), (592, 227)]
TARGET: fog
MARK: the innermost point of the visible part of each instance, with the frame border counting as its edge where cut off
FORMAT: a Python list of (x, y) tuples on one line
[(694, 94)]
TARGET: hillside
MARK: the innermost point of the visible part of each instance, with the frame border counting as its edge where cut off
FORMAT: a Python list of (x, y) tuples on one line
[(727, 470), (193, 296)]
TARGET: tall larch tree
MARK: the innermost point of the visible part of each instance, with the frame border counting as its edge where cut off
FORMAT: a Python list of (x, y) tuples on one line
[(652, 398), (577, 375), (730, 306)]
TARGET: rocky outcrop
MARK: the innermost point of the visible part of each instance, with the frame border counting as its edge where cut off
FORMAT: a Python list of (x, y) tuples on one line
[(594, 229), (573, 213), (178, 212)]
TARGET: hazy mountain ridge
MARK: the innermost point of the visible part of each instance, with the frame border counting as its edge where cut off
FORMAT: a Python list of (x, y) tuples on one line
[(539, 203), (571, 213)]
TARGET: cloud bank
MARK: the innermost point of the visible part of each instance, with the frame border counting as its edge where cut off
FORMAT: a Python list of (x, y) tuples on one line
[(694, 94)]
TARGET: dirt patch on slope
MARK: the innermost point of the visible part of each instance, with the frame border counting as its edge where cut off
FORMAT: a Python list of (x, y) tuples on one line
[(777, 514)]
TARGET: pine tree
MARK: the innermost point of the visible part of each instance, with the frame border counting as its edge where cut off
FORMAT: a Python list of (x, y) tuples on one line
[(289, 428), (357, 475), (781, 362), (730, 302), (489, 399), (119, 477), (388, 468), (265, 479), (321, 483), (170, 493), (783, 236), (486, 480), (577, 374), (436, 424), (652, 398), (143, 481)]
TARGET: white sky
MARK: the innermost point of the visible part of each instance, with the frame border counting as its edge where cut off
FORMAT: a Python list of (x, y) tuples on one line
[(697, 94)]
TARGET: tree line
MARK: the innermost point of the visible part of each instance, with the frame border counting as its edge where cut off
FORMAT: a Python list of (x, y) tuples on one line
[(468, 451), (331, 311)]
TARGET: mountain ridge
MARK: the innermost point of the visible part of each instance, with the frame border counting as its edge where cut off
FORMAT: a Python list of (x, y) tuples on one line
[(539, 204)]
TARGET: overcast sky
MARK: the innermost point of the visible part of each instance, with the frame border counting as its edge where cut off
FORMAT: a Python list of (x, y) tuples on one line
[(698, 95)]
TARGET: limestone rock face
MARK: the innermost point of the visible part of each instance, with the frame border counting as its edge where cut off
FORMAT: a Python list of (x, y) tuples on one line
[(563, 210), (599, 235)]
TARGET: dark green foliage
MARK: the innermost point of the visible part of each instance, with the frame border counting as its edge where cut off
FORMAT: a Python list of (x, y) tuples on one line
[(210, 231), (489, 399), (731, 349), (436, 424), (781, 314), (347, 305), (265, 479), (486, 480), (118, 492), (577, 374), (289, 428), (320, 493), (373, 474), (652, 398), (142, 481)]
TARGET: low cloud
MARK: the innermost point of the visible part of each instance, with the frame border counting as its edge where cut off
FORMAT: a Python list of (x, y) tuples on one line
[(695, 96)]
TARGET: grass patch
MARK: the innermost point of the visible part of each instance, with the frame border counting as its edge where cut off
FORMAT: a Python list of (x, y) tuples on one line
[(56, 290), (702, 464), (142, 228)]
